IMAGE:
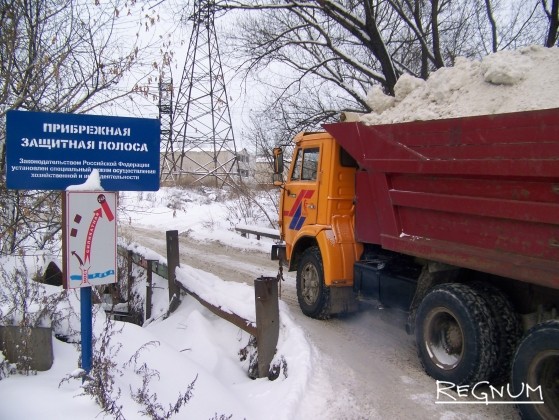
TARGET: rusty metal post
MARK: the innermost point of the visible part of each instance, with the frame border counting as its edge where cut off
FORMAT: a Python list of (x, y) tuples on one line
[(172, 264), (149, 287), (129, 278), (267, 321)]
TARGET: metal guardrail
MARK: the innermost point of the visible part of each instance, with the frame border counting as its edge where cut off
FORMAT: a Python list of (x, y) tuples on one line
[(266, 328), (245, 230)]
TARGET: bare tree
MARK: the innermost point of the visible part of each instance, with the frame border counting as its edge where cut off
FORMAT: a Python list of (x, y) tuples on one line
[(332, 51), (551, 10), (57, 55), (60, 56)]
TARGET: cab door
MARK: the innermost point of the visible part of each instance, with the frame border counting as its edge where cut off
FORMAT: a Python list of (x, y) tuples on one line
[(300, 204)]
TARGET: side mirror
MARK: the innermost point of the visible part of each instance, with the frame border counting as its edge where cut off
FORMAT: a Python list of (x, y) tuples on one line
[(278, 166), (278, 160)]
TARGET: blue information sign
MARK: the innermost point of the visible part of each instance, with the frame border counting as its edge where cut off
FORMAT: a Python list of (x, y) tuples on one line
[(51, 151)]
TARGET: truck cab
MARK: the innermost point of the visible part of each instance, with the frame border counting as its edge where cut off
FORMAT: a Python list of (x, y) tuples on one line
[(317, 224)]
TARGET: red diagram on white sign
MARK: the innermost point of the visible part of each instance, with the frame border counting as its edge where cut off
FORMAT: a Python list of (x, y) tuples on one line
[(97, 264)]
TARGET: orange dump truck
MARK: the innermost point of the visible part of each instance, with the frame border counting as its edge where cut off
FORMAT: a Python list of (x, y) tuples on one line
[(454, 221)]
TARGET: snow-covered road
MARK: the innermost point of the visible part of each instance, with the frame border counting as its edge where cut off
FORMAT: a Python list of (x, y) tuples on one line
[(367, 363)]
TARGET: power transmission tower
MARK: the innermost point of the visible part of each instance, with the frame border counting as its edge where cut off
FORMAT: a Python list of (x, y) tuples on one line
[(200, 147), (168, 158)]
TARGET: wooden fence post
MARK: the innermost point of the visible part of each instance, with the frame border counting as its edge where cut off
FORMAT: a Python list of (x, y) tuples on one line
[(267, 322), (172, 264), (149, 287), (129, 277)]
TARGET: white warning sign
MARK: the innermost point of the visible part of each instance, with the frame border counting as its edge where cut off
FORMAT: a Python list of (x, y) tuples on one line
[(91, 238)]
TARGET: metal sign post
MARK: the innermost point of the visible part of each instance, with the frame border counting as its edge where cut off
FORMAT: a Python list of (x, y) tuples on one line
[(90, 258), (86, 328)]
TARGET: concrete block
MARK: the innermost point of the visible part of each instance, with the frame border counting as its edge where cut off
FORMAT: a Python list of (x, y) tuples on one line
[(17, 342)]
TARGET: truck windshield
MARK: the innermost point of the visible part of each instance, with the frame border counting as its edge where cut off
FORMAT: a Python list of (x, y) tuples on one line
[(306, 165)]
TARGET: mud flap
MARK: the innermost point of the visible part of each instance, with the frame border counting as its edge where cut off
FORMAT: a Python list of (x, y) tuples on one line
[(343, 300)]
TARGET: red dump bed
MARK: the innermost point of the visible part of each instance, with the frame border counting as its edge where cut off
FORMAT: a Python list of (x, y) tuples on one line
[(476, 192)]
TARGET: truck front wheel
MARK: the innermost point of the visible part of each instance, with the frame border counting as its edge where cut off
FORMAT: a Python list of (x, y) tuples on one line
[(455, 335), (312, 294), (535, 372)]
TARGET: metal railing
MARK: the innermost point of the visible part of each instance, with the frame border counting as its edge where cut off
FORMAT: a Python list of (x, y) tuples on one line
[(248, 230), (266, 327)]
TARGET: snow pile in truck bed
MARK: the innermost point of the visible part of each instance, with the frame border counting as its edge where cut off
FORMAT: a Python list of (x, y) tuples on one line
[(507, 81)]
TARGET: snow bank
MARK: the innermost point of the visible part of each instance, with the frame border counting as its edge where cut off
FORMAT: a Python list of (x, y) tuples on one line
[(507, 81), (199, 214)]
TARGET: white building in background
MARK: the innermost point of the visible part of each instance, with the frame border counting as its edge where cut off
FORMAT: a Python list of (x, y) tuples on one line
[(263, 170), (252, 170), (245, 161)]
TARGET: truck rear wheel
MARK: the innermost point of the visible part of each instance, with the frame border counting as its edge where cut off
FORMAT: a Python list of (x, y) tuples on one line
[(507, 327), (312, 294), (535, 372), (455, 335)]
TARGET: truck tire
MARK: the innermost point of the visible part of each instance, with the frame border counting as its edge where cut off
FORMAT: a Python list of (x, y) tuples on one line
[(312, 294), (507, 327), (455, 335), (536, 363)]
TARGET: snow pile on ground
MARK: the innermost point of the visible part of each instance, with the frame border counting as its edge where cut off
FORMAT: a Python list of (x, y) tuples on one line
[(507, 81), (202, 214), (191, 344)]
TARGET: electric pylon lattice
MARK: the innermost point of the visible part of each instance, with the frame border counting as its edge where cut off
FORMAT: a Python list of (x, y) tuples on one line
[(197, 141)]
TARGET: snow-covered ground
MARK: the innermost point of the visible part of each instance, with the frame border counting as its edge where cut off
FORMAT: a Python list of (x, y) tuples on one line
[(190, 344), (361, 367)]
